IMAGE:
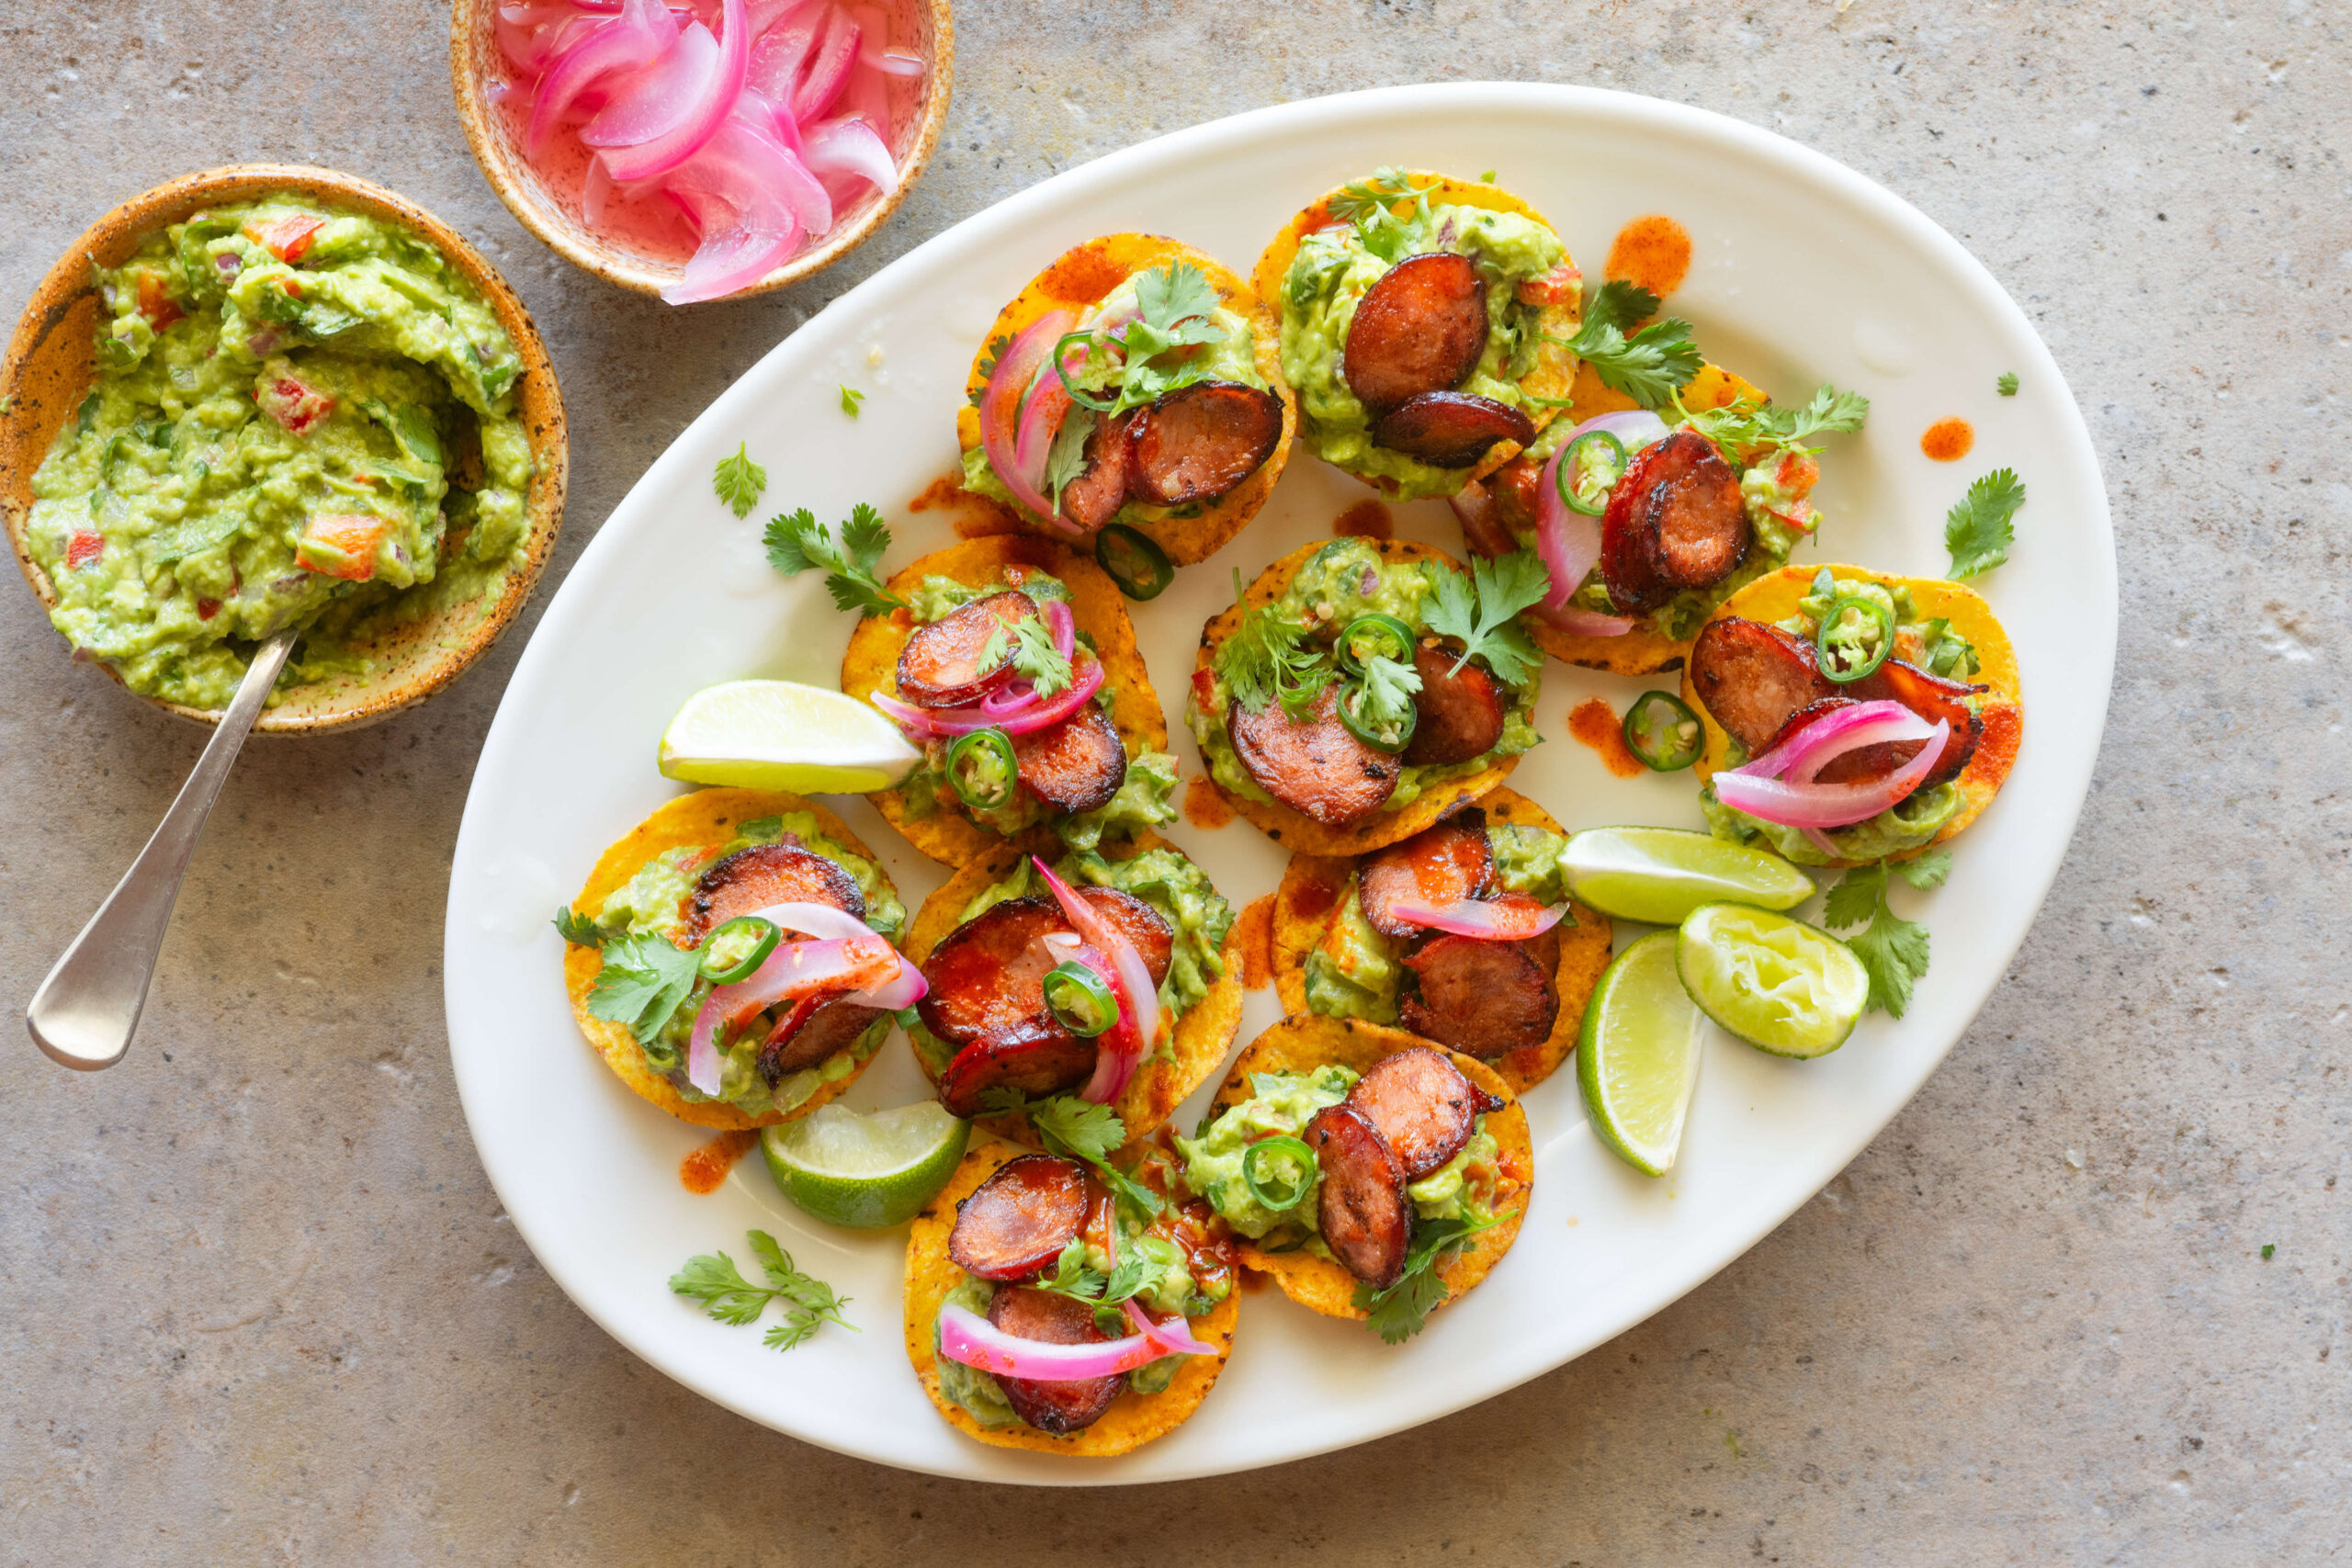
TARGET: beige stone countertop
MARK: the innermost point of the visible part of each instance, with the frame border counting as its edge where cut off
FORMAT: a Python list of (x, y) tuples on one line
[(258, 1303)]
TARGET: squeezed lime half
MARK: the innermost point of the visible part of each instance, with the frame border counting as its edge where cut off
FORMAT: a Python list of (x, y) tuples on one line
[(1657, 875), (865, 1171), (783, 735), (1638, 1058), (1779, 984)]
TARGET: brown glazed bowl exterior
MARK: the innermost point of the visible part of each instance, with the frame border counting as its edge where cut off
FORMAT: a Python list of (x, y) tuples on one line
[(476, 65), (47, 371)]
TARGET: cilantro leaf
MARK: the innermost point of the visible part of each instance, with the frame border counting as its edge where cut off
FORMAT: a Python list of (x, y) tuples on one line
[(1035, 656), (1926, 871), (1388, 688), (1652, 366), (1361, 199), (1076, 1129), (1482, 612), (1831, 411), (808, 1303), (1978, 531), (1892, 951), (1269, 658), (851, 398), (796, 542), (1176, 310), (1177, 293), (2007, 385), (1619, 303), (1065, 458), (578, 928), (644, 980), (739, 481), (1402, 1310)]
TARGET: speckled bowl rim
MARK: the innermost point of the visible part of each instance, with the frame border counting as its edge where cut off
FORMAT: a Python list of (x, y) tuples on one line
[(539, 401), (520, 188)]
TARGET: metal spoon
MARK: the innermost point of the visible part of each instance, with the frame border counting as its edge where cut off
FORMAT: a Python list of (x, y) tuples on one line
[(86, 1010)]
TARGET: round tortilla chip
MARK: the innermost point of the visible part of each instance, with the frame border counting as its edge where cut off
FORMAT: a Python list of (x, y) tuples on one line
[(1080, 280), (1313, 884), (706, 819), (1639, 651), (871, 664), (1554, 369), (1199, 1041), (1294, 830), (1133, 1420), (1301, 1043), (1775, 596)]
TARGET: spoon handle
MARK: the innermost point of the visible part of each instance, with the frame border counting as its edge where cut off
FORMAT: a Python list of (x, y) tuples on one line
[(86, 1009)]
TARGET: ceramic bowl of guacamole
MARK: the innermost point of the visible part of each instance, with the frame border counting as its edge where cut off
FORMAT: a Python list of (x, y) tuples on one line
[(268, 396)]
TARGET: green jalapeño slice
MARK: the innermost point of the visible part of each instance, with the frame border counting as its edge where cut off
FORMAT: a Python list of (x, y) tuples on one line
[(982, 769), (1570, 465), (1279, 1172), (1663, 732), (735, 950), (1134, 560), (1855, 637), (1081, 1000)]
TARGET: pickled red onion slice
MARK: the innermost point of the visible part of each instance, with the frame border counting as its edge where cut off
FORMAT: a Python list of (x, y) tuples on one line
[(1511, 917), (1132, 983), (967, 1337)]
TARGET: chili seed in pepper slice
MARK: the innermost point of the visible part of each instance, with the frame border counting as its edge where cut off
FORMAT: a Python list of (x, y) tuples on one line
[(1662, 732), (1390, 639), (1840, 645), (1082, 999), (1300, 1156), (1566, 480), (1392, 739), (982, 769)]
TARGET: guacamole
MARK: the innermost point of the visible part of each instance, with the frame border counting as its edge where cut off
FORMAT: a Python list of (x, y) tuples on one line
[(1163, 878), (1345, 579), (301, 417), (1283, 1103), (1911, 823), (1334, 268), (1144, 798), (653, 903)]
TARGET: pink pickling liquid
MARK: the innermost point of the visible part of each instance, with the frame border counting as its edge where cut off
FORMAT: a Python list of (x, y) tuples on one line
[(650, 224)]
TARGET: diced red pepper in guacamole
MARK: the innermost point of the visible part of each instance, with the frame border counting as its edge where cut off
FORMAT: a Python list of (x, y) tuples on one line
[(155, 301), (341, 544), (1558, 286), (83, 548), (287, 238), (293, 404)]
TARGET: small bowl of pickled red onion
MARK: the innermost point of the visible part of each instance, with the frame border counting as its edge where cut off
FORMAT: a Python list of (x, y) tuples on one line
[(702, 149)]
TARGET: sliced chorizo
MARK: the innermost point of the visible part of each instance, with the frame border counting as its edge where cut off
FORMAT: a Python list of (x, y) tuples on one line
[(1314, 765), (1753, 677), (815, 1029), (1481, 998), (1056, 1409), (987, 974), (1479, 508), (1016, 1223), (1033, 1056), (1518, 499), (1450, 430), (1100, 489), (950, 663), (1422, 328), (751, 879), (1459, 711), (1367, 1218), (1075, 765), (1676, 520), (1200, 441), (1422, 1105), (1441, 864)]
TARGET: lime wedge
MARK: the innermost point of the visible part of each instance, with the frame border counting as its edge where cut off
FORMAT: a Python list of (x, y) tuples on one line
[(1657, 875), (782, 735), (865, 1172), (1638, 1058), (1779, 984)]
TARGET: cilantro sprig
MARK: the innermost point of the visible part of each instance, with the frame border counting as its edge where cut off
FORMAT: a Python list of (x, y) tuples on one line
[(1403, 1309), (796, 542), (578, 928), (1620, 303), (739, 481), (1388, 689), (1148, 358), (1371, 203), (808, 1303), (1076, 1129), (1270, 658), (1651, 365), (644, 980), (1482, 612), (1034, 657), (1979, 530), (1893, 951), (1749, 429)]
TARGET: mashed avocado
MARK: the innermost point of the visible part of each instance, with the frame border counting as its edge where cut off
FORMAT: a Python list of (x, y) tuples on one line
[(1345, 579), (653, 903), (1338, 265), (1911, 823), (1285, 1103), (300, 417)]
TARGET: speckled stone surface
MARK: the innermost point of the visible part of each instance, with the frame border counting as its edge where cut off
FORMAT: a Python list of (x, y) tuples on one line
[(258, 1303)]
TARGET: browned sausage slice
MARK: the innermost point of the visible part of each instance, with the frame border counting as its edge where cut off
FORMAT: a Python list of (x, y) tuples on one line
[(1443, 864), (1461, 711), (1479, 507), (1075, 765), (1482, 999), (941, 665), (1367, 1218), (815, 1029), (1676, 520), (1198, 442), (1753, 677), (1016, 1223), (1933, 698), (1154, 938), (1100, 489), (1450, 430), (1420, 328), (1422, 1105), (1059, 1408), (1518, 499), (750, 880), (1035, 1056), (1316, 765), (988, 974)]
